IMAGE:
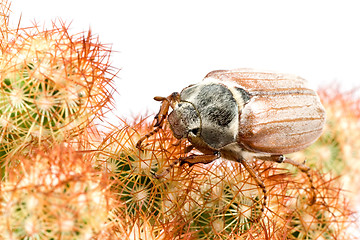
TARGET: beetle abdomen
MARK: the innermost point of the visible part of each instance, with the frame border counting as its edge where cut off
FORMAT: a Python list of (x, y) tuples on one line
[(283, 114)]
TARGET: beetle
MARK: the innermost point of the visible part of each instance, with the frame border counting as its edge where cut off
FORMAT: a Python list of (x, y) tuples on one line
[(242, 114)]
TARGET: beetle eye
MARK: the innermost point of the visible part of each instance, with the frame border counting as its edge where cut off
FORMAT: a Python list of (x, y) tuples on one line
[(195, 131)]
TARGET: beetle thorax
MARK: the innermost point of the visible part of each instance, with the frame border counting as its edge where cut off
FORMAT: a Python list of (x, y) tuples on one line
[(208, 112)]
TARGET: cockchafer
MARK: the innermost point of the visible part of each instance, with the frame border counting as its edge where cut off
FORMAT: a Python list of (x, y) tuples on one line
[(242, 114)]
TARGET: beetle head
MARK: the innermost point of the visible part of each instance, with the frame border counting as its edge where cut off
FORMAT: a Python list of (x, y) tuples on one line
[(185, 120)]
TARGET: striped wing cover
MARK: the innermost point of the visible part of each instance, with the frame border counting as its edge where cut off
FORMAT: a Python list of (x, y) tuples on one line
[(283, 114)]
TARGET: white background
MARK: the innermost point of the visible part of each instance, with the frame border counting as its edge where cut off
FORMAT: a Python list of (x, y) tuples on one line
[(163, 46)]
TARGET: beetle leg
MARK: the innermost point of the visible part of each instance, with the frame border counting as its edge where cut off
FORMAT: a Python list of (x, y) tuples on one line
[(301, 166), (167, 170), (160, 116), (195, 159), (188, 148), (159, 121), (272, 158), (258, 180), (191, 160), (156, 129), (164, 108), (305, 169)]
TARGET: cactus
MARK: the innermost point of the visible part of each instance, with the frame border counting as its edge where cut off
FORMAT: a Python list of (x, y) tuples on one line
[(4, 20), (214, 201), (53, 85), (54, 194), (63, 179), (132, 171)]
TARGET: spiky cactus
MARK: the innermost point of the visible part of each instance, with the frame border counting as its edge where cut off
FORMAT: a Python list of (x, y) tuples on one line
[(218, 200), (132, 172), (52, 86), (54, 194)]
